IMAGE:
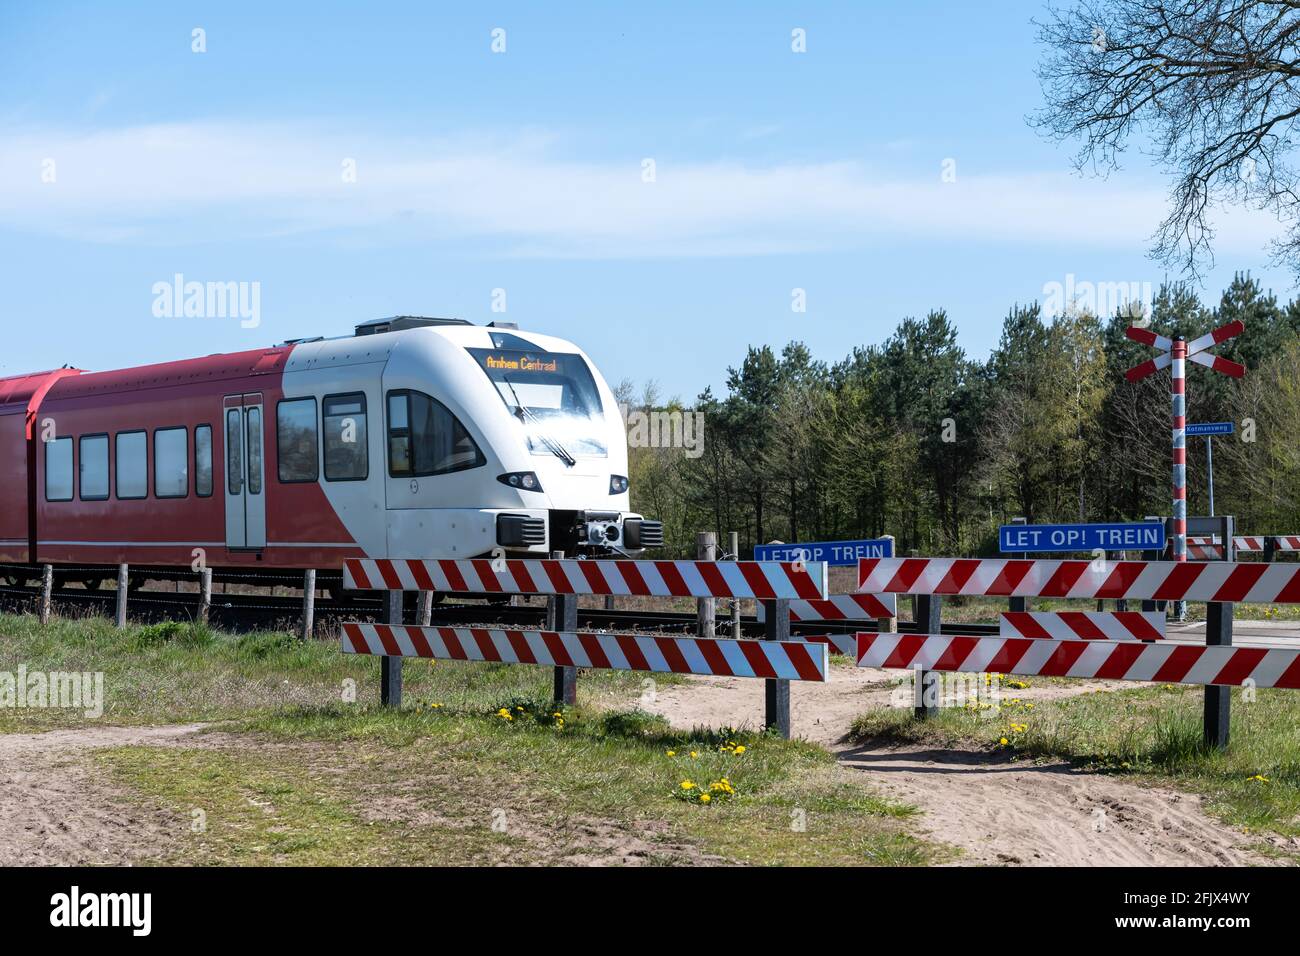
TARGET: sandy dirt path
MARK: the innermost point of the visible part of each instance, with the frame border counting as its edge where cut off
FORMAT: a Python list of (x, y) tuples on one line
[(995, 809), (55, 810)]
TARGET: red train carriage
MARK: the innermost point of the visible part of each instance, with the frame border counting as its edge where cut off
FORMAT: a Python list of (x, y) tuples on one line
[(414, 438)]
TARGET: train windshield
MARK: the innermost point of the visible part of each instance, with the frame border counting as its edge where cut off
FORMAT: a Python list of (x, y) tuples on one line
[(554, 395)]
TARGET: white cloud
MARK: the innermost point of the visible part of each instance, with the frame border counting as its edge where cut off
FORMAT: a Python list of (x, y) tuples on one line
[(221, 180)]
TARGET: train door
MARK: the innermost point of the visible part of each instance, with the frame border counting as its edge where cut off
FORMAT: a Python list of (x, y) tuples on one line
[(245, 473)]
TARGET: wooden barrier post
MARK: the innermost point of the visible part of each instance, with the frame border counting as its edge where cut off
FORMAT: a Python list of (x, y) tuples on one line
[(205, 595), (733, 545), (390, 668), (308, 604), (1147, 603), (706, 608), (1121, 604), (1218, 700), (1270, 549), (562, 615), (47, 593), (776, 692), (424, 609), (123, 576), (888, 625), (1218, 633), (1018, 605), (927, 622)]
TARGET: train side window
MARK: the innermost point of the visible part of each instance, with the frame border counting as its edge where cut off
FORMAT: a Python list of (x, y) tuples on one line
[(297, 440), (235, 451), (132, 465), (425, 438), (94, 467), (203, 461), (254, 451), (346, 456), (171, 463), (399, 435), (58, 469)]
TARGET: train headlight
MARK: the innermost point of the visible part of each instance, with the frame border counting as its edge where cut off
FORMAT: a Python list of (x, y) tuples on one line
[(617, 484), (525, 480)]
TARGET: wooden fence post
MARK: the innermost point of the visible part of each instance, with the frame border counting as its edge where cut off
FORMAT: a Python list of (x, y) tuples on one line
[(562, 615), (47, 593), (123, 577), (308, 604), (205, 595), (776, 692), (390, 668), (924, 702), (706, 608), (424, 609)]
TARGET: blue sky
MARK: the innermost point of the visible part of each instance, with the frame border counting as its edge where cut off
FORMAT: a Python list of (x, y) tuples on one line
[(523, 171)]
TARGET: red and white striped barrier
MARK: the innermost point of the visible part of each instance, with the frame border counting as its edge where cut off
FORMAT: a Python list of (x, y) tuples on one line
[(1255, 583), (1247, 543), (783, 660), (1210, 548), (1162, 661), (1083, 625), (842, 607), (763, 580)]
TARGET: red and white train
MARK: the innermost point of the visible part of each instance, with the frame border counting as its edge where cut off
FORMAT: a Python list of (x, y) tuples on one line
[(414, 438)]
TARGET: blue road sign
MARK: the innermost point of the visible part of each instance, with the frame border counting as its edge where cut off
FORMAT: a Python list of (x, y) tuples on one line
[(835, 553), (1211, 428), (1138, 536)]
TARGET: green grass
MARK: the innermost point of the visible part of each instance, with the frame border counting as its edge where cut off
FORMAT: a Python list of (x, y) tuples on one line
[(1150, 733), (294, 774), (422, 785), (169, 673)]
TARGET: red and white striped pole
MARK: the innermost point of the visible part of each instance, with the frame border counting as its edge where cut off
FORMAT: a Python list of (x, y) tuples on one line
[(1178, 393)]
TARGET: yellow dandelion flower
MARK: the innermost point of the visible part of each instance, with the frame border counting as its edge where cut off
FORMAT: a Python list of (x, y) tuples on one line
[(672, 753), (705, 798), (694, 754), (739, 750), (687, 785), (1003, 741)]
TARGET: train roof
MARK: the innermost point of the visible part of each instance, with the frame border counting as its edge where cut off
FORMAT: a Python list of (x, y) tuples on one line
[(19, 389), (211, 368), (373, 345)]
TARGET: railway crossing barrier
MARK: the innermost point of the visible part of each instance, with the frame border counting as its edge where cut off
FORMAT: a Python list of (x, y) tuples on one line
[(1210, 547), (1159, 661), (1217, 665), (1083, 625), (664, 654), (777, 659)]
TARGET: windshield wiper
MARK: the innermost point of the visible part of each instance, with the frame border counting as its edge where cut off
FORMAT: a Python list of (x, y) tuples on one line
[(526, 415)]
